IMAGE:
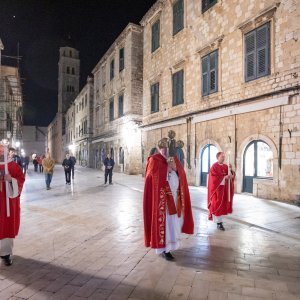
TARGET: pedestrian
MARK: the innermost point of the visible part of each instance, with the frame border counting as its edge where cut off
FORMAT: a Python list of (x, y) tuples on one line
[(48, 166), (14, 157), (35, 162), (73, 167), (40, 164), (67, 164), (219, 199), (23, 161), (11, 184), (27, 162), (109, 165), (166, 205)]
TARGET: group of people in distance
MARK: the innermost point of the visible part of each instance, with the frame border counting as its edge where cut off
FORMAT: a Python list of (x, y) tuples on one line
[(167, 205)]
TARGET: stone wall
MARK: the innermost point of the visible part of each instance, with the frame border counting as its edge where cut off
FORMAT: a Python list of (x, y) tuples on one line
[(239, 112)]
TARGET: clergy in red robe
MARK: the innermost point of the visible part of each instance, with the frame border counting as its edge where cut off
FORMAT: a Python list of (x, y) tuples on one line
[(11, 183), (167, 205), (219, 199)]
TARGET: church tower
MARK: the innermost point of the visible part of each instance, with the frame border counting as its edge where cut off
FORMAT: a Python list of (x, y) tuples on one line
[(68, 77)]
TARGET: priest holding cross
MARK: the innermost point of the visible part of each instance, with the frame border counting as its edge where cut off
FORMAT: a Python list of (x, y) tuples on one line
[(220, 190)]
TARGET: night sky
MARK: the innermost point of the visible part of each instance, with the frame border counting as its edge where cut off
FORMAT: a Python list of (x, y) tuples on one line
[(41, 26)]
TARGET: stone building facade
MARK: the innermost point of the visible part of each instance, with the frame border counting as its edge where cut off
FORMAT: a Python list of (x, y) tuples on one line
[(224, 75), (83, 120), (68, 89), (118, 102)]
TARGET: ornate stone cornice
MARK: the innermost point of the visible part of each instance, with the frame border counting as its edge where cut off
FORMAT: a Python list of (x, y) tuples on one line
[(158, 5), (262, 17)]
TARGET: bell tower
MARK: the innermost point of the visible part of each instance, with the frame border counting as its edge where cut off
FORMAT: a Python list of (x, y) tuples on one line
[(68, 77)]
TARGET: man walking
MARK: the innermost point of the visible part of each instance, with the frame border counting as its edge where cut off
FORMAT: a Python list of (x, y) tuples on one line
[(48, 166), (67, 164), (11, 184), (109, 165), (73, 167), (167, 206), (219, 198)]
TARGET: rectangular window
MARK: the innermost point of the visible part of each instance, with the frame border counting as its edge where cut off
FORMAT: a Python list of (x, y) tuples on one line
[(111, 109), (121, 59), (210, 73), (112, 69), (257, 53), (155, 38), (177, 88), (155, 97), (178, 8), (103, 76), (121, 105), (206, 4)]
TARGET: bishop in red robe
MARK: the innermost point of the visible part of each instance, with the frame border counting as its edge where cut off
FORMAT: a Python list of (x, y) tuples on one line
[(219, 199), (167, 205), (11, 184)]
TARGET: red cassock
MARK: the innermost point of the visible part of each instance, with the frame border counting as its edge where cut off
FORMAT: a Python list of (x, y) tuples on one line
[(9, 226), (157, 197), (217, 197)]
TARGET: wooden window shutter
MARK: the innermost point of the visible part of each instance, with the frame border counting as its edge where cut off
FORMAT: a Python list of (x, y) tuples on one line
[(250, 56), (262, 46), (213, 72), (205, 67)]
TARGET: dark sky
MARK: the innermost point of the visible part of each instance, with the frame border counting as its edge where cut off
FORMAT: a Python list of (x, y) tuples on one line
[(40, 26)]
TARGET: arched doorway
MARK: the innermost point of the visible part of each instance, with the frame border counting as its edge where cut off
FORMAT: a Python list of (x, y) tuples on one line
[(257, 163), (208, 158)]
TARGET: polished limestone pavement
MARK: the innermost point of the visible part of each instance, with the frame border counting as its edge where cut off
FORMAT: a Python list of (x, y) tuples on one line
[(85, 241)]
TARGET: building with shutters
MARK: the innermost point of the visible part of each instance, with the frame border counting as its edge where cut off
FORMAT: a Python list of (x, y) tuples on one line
[(224, 76), (118, 103)]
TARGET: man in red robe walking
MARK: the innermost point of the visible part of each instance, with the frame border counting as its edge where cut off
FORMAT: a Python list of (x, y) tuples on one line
[(167, 205), (11, 183), (219, 199)]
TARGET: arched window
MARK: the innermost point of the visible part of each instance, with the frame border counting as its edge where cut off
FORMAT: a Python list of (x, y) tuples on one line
[(258, 163)]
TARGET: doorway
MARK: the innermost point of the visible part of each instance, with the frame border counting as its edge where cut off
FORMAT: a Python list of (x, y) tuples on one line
[(208, 158)]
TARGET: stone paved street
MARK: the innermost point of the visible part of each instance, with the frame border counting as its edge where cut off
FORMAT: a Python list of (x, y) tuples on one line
[(86, 241)]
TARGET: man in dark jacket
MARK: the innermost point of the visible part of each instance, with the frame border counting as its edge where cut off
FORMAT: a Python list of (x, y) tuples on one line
[(74, 162), (68, 164), (109, 165)]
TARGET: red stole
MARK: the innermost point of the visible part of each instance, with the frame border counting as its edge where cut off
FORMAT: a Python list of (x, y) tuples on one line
[(158, 196), (217, 196)]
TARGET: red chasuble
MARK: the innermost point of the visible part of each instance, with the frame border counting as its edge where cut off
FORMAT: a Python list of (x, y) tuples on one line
[(157, 197), (217, 197), (9, 226)]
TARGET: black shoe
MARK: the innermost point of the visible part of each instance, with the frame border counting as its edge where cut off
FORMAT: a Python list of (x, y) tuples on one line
[(220, 226), (168, 256), (7, 259), (110, 183)]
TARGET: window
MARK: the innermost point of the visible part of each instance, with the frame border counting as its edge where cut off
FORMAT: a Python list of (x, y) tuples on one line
[(155, 39), (206, 4), (73, 71), (257, 53), (103, 76), (85, 100), (210, 73), (111, 109), (70, 53), (177, 16), (155, 97), (121, 105), (68, 70), (177, 88), (112, 69), (121, 59)]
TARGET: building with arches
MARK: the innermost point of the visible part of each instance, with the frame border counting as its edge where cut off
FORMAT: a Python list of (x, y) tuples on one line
[(225, 77)]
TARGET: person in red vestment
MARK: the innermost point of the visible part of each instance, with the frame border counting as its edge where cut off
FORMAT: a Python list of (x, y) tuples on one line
[(166, 205), (11, 183), (219, 200)]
